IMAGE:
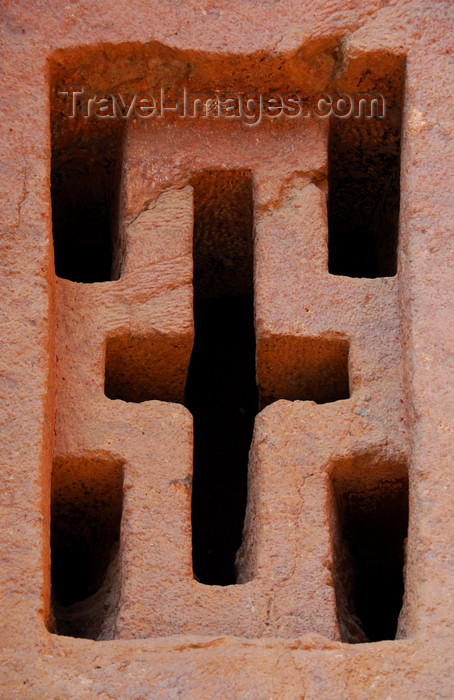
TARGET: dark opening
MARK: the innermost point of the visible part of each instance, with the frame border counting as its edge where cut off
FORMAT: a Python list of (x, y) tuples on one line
[(84, 191), (87, 497), (151, 368), (303, 369), (364, 195), (371, 521), (221, 390)]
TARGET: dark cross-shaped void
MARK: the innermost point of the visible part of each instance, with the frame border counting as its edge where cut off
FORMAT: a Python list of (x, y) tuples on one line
[(222, 395), (221, 390)]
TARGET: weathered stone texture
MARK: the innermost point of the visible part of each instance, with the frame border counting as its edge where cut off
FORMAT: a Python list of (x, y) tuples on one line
[(355, 373)]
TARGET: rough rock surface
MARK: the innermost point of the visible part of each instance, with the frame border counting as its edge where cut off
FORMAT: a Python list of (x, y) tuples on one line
[(355, 371)]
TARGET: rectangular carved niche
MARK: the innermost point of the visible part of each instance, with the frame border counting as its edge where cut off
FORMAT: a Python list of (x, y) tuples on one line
[(149, 368), (369, 537), (86, 510), (303, 369), (364, 170)]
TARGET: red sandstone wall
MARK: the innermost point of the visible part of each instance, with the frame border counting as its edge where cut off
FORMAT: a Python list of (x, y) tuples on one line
[(285, 629)]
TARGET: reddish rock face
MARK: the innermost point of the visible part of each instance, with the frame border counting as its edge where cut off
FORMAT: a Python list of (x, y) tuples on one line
[(228, 414)]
